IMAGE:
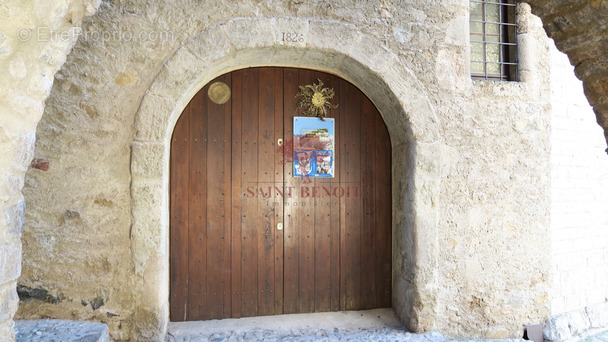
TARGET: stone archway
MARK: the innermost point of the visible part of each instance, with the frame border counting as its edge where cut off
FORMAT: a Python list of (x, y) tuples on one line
[(329, 46)]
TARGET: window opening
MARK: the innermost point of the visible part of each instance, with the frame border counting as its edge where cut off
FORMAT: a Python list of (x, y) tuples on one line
[(493, 40)]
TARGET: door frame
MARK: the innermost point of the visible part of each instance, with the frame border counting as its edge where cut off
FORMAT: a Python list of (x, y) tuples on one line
[(399, 96)]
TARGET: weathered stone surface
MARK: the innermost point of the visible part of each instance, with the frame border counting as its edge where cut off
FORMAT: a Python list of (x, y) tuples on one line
[(598, 315), (60, 330), (16, 217), (557, 328), (147, 160), (10, 262), (578, 322), (7, 331), (156, 129), (8, 302)]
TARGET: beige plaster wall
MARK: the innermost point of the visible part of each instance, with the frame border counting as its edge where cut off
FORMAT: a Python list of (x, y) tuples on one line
[(30, 54), (471, 160)]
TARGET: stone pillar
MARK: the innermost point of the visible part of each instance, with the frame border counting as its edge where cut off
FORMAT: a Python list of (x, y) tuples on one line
[(35, 39), (16, 147)]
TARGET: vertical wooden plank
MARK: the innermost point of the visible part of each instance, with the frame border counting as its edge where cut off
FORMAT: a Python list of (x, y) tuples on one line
[(305, 223), (291, 231), (239, 194), (265, 178), (179, 165), (216, 192), (368, 247), (322, 230), (227, 201), (278, 182), (341, 158), (197, 200), (352, 180), (383, 218), (249, 157), (334, 276)]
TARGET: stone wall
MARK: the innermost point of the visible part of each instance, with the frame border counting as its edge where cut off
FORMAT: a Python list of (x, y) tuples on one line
[(471, 158), (30, 54), (494, 199), (579, 220)]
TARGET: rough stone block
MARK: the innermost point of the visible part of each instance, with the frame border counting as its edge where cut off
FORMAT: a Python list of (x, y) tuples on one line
[(525, 42), (7, 330), (316, 59), (61, 330), (333, 35), (16, 217), (151, 121), (598, 315), (211, 45), (455, 32), (147, 231), (147, 198), (557, 329), (147, 159), (243, 58), (148, 325), (371, 53), (290, 31), (8, 302), (250, 33), (10, 262), (579, 322), (176, 73)]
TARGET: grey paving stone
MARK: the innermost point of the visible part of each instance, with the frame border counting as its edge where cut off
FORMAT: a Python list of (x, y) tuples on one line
[(52, 330)]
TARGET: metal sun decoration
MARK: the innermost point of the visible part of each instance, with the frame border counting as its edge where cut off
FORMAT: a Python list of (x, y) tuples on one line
[(314, 99)]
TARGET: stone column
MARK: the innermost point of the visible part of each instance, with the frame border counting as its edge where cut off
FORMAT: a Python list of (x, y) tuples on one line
[(34, 42)]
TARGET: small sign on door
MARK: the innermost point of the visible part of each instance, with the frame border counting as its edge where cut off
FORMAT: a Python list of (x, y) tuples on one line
[(313, 147)]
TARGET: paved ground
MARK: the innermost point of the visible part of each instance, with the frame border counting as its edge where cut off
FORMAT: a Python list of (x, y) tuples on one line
[(601, 337), (370, 325), (55, 330), (315, 335)]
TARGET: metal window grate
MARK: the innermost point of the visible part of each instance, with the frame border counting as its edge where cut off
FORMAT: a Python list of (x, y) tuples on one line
[(493, 32)]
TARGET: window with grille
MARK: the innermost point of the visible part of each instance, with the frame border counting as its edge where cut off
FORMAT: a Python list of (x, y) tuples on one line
[(493, 40)]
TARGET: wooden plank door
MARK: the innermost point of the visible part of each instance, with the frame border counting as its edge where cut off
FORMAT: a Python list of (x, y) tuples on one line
[(257, 250), (337, 232), (231, 184), (200, 211)]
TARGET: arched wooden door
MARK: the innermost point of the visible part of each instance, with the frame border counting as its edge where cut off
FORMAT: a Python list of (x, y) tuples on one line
[(232, 184)]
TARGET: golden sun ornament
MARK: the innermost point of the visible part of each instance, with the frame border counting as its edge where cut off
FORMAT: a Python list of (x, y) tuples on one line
[(314, 99)]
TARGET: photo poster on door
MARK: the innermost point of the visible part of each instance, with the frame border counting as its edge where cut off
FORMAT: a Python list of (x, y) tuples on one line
[(313, 147)]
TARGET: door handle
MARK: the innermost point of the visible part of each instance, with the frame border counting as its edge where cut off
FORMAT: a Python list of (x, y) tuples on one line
[(280, 142), (280, 226)]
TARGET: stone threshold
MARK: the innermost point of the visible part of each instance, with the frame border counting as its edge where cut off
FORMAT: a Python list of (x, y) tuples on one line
[(366, 319), (366, 325)]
